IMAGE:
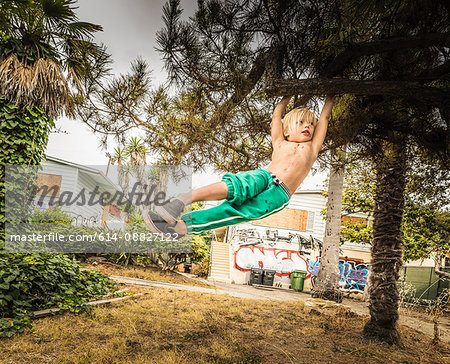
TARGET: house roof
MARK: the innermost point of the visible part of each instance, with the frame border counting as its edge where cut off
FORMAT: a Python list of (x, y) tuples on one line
[(96, 174)]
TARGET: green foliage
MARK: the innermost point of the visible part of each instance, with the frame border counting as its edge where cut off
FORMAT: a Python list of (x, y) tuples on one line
[(194, 247), (356, 232), (43, 47), (9, 45), (425, 230), (39, 281), (58, 222), (51, 216), (47, 31), (359, 189), (201, 244), (30, 282), (219, 60), (197, 205), (24, 134), (200, 248), (201, 269), (44, 29), (426, 224)]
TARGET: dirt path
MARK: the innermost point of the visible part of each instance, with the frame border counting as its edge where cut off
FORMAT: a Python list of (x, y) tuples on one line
[(422, 324)]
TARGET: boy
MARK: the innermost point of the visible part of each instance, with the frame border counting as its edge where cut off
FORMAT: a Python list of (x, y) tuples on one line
[(252, 195)]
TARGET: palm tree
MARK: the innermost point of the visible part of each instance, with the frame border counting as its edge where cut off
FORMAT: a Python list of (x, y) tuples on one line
[(387, 242), (124, 169), (43, 47), (137, 152), (131, 159)]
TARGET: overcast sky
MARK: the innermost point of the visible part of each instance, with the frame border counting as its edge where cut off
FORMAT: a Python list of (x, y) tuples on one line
[(129, 28)]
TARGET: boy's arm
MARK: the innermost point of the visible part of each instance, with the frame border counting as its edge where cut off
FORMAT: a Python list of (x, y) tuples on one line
[(277, 126), (322, 125)]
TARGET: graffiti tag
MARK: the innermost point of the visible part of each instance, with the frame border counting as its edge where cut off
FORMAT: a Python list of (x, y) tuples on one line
[(282, 261), (353, 275)]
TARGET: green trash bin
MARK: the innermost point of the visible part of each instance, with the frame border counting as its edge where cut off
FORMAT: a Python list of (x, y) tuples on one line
[(297, 279)]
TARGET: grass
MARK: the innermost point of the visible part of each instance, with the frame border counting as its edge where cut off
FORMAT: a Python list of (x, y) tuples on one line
[(151, 273), (171, 326)]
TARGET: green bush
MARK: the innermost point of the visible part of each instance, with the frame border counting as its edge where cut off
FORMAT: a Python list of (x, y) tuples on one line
[(30, 282)]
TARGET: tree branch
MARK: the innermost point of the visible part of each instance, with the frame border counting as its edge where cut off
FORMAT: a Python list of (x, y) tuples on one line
[(318, 86), (434, 73), (241, 92), (384, 45), (380, 46)]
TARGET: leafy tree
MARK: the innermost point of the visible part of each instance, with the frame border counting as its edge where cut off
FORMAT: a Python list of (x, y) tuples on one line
[(38, 281), (425, 223), (131, 159), (199, 248), (393, 56), (43, 47)]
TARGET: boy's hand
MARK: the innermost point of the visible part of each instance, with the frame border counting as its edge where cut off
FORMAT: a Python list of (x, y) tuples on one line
[(281, 107)]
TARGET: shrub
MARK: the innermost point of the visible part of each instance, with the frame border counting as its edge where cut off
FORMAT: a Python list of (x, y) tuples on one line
[(30, 282), (201, 269)]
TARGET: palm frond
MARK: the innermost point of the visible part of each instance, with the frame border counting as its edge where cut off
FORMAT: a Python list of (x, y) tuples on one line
[(15, 79), (43, 47), (42, 84)]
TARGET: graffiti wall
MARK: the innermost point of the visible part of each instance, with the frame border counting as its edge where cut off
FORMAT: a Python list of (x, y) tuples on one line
[(353, 275), (283, 261)]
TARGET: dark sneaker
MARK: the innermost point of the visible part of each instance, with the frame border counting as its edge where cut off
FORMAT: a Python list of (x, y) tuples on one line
[(170, 211), (158, 225)]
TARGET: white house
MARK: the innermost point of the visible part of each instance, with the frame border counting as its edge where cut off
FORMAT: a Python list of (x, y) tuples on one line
[(67, 181), (288, 240)]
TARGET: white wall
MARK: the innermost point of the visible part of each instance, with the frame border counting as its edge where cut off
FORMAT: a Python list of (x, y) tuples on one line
[(69, 176), (92, 213), (311, 202), (74, 180)]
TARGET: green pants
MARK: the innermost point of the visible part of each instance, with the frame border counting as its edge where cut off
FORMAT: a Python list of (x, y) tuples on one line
[(252, 195)]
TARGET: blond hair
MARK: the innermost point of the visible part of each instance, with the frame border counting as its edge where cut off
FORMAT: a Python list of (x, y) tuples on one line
[(298, 115)]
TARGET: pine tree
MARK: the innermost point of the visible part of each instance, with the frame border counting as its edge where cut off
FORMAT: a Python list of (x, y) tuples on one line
[(232, 57)]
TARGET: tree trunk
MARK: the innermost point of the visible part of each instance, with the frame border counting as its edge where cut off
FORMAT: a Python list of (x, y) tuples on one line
[(387, 244), (327, 281)]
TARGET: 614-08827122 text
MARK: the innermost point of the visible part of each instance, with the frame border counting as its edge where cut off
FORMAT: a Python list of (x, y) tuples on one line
[(103, 236)]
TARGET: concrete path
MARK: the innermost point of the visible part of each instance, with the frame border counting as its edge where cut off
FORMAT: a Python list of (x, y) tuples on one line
[(233, 290), (422, 324)]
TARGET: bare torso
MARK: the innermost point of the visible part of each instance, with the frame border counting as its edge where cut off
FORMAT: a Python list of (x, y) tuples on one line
[(291, 162)]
